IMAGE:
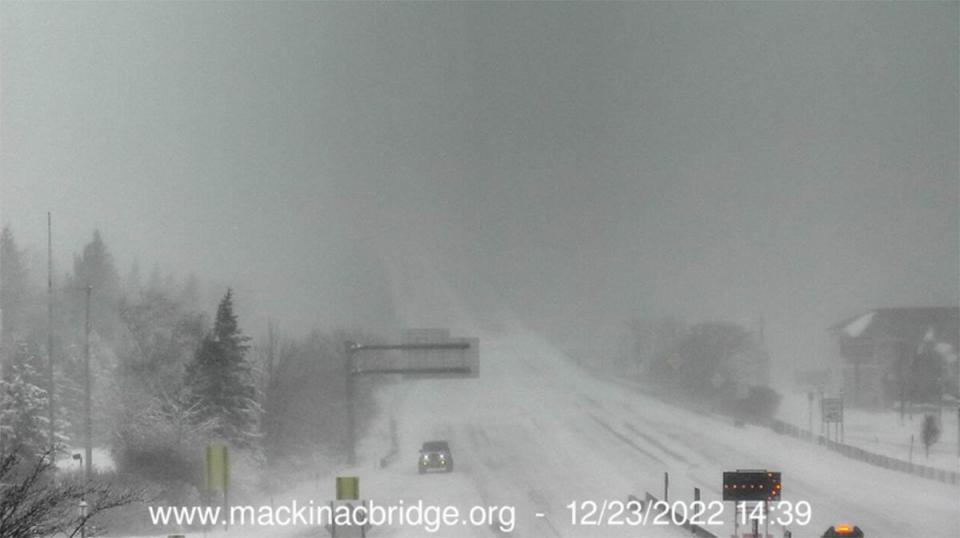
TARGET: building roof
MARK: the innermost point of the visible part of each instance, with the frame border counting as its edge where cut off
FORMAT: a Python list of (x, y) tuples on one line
[(906, 323)]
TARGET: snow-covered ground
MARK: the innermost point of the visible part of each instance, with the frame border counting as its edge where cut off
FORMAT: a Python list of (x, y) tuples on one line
[(102, 459), (536, 432), (883, 432)]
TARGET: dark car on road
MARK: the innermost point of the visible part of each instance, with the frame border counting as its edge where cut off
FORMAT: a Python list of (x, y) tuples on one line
[(435, 455)]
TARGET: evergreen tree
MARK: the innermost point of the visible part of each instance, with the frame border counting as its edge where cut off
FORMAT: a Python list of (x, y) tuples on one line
[(23, 405), (13, 285), (95, 268), (220, 380)]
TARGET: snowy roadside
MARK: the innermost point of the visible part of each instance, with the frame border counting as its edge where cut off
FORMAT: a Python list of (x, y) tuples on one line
[(882, 432), (877, 432)]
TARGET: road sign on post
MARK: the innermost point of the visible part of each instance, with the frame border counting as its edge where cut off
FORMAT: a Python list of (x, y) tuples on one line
[(832, 409), (348, 503), (216, 470), (216, 473), (831, 412), (752, 485), (348, 488)]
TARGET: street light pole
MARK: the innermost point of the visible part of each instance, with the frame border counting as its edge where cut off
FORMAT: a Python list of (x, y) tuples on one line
[(351, 419), (87, 382), (52, 425), (83, 518)]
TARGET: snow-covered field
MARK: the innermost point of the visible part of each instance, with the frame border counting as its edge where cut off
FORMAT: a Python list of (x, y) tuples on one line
[(883, 432)]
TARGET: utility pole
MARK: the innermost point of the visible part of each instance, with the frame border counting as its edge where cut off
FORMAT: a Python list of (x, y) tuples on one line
[(50, 406), (3, 360), (87, 382), (351, 418)]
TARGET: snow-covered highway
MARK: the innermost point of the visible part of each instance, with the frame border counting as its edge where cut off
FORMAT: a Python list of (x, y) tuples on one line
[(535, 432)]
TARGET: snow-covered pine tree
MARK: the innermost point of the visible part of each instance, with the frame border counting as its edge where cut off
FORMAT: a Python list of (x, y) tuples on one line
[(220, 380), (23, 405), (14, 286), (95, 267)]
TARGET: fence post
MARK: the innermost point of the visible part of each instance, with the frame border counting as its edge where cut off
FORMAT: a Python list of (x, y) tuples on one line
[(696, 499)]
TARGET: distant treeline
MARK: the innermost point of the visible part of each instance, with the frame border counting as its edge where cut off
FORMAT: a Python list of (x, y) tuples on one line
[(716, 364)]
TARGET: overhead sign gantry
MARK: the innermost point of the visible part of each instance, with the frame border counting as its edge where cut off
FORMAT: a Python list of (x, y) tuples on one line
[(424, 353)]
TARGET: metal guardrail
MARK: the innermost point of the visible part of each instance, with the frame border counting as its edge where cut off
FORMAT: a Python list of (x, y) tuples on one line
[(857, 453), (853, 452)]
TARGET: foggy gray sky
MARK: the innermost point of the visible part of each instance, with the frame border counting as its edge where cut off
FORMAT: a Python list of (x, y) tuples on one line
[(591, 162)]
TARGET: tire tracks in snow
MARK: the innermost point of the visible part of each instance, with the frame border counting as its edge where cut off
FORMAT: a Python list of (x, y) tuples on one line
[(629, 442)]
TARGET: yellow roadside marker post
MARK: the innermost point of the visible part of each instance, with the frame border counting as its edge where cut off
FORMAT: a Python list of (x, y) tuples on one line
[(216, 474), (348, 488)]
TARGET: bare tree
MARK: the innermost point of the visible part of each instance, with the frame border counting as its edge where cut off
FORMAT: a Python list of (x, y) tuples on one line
[(34, 503)]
